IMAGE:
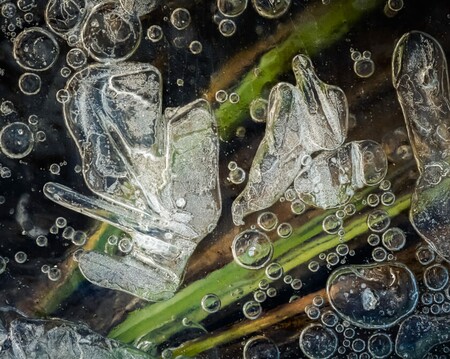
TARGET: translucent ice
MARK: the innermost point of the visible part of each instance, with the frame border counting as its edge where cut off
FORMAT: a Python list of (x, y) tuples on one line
[(301, 119), (419, 333), (419, 71), (331, 178), (55, 339), (156, 176), (373, 296)]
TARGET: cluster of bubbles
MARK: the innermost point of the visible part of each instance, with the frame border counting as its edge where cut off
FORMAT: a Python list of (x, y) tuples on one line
[(363, 65), (236, 175)]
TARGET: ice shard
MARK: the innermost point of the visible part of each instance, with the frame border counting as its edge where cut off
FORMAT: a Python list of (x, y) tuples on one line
[(420, 76), (332, 177), (155, 176), (55, 339), (302, 119)]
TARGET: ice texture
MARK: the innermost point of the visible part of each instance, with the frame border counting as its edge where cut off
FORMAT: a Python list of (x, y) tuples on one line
[(56, 339), (419, 333), (374, 295), (155, 176), (420, 76), (301, 120), (332, 177)]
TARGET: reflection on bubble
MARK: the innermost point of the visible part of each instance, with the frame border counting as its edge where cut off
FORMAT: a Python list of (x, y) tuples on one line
[(271, 9), (261, 348)]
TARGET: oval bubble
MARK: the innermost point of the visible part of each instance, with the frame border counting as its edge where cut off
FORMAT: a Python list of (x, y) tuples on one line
[(374, 295)]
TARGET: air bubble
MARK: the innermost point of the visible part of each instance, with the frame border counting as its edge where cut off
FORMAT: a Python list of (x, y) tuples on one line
[(20, 257), (271, 292), (252, 249), (260, 296), (274, 271), (318, 342), (79, 238), (227, 27), (350, 209), (271, 9), (329, 318), (221, 96), (68, 233), (298, 207), (155, 33), (180, 18), (436, 277), (394, 239), (9, 10), (373, 200), (331, 224), (62, 96), (267, 221), (297, 284), (55, 169), (378, 220), (259, 110), (234, 98), (61, 222), (211, 303), (364, 67), (16, 140), (284, 230), (41, 241), (29, 83), (260, 348), (425, 255), (45, 268), (332, 259), (379, 254), (54, 274), (76, 58), (252, 310), (232, 8), (35, 49), (65, 72), (287, 279), (313, 266), (125, 245), (196, 47), (41, 136), (312, 312), (237, 175)]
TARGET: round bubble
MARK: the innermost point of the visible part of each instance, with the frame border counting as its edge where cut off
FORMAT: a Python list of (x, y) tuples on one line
[(378, 220), (232, 8), (180, 18), (258, 110), (284, 230), (380, 345), (331, 224), (196, 47), (252, 310), (274, 271), (20, 257), (261, 348), (394, 239), (211, 303), (364, 68), (425, 255), (35, 49), (267, 221), (298, 206), (16, 140), (155, 33), (62, 15), (29, 83), (329, 318), (252, 249), (110, 33), (227, 27), (436, 277), (76, 58), (271, 9), (318, 342)]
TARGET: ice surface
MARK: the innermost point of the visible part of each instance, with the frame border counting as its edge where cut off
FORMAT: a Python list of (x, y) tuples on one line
[(331, 179), (420, 76), (419, 333), (56, 339), (156, 176), (301, 119)]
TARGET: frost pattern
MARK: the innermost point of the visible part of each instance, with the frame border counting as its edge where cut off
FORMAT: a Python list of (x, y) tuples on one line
[(156, 177)]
